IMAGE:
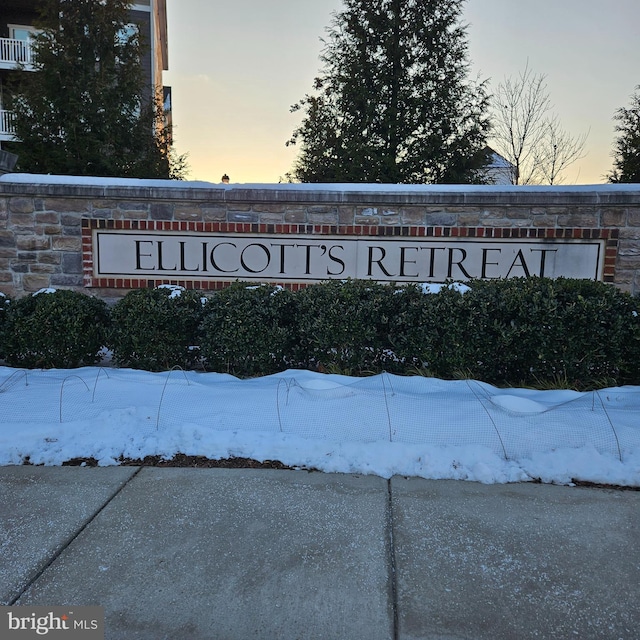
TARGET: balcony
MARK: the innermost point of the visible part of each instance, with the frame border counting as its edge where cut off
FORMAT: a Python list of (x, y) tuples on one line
[(14, 52), (7, 129)]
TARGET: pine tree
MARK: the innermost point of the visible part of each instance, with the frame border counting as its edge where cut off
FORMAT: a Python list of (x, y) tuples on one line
[(393, 102), (86, 108), (626, 153)]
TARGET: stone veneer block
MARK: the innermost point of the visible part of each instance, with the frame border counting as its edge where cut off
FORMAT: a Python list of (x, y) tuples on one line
[(49, 257), (412, 215), (328, 217), (70, 220), (346, 214), (26, 220), (67, 280), (32, 243), (544, 221), (313, 210), (161, 211), (634, 217), (440, 219), (125, 206), (589, 220), (631, 233), (9, 253), (44, 268), (614, 217), (7, 239), (33, 282), (129, 215), (65, 205), (109, 204), (269, 208), (67, 244), (295, 216), (21, 205), (71, 262), (187, 212), (47, 217), (471, 219), (242, 216), (49, 229), (214, 214), (629, 262), (271, 217), (624, 276), (516, 214)]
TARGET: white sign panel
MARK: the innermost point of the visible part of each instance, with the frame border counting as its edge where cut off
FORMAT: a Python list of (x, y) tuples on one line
[(300, 258)]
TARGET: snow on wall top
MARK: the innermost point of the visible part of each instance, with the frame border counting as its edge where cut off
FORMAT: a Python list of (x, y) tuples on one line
[(45, 179), (352, 192)]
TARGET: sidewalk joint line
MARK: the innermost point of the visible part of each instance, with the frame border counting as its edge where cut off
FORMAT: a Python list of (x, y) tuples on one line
[(392, 561), (71, 538)]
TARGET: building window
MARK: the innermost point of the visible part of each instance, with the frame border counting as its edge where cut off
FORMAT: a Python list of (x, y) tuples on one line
[(127, 33), (21, 32)]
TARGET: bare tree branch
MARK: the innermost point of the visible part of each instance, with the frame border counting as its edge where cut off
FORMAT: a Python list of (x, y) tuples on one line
[(528, 135)]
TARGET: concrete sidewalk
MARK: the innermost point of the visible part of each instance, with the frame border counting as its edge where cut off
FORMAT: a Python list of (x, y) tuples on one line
[(202, 554)]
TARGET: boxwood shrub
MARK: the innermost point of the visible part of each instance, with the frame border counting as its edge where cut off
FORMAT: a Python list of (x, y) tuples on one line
[(54, 328), (538, 330), (4, 305), (430, 331), (248, 330), (344, 326), (157, 329)]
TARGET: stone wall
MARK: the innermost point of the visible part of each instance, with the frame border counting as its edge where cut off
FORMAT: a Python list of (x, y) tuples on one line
[(45, 221)]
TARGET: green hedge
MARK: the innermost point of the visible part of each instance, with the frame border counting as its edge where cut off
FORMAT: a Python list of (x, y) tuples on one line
[(343, 325), (534, 332), (157, 329), (4, 306), (248, 330), (431, 331), (61, 329)]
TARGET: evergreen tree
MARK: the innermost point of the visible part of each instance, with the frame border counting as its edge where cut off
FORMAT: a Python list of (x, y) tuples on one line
[(86, 108), (393, 102), (626, 153)]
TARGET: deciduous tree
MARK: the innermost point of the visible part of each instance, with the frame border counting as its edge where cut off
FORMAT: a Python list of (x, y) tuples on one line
[(527, 133)]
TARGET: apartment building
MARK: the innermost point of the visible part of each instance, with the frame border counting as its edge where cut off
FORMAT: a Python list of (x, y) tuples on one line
[(17, 19)]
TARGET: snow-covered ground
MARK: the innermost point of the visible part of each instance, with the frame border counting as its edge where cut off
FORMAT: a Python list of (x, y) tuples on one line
[(383, 425)]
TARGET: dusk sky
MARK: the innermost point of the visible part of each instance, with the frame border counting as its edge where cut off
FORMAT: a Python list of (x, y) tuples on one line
[(236, 68)]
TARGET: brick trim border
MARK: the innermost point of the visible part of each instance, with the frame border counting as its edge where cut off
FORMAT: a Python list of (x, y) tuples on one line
[(610, 235)]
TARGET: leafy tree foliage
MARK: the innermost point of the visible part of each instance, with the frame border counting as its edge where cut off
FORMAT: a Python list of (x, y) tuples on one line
[(393, 102), (86, 109), (626, 153)]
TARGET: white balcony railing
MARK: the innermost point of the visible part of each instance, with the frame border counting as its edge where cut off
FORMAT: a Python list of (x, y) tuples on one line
[(13, 52), (7, 129)]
